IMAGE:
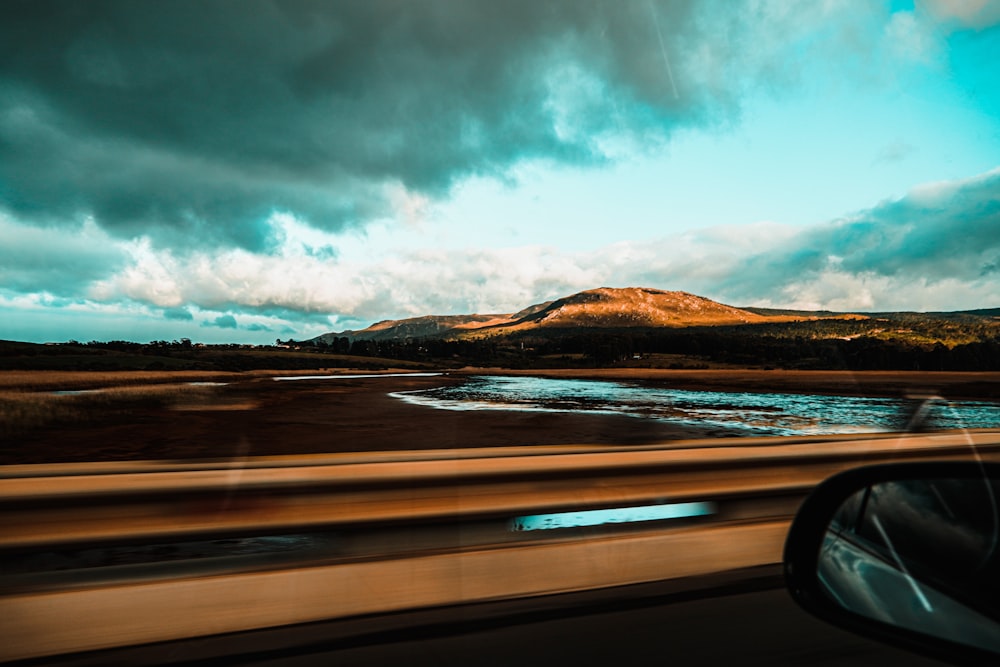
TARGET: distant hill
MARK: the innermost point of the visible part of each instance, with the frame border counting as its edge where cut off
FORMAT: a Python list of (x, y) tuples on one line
[(669, 321), (604, 308), (425, 326), (634, 307), (599, 328)]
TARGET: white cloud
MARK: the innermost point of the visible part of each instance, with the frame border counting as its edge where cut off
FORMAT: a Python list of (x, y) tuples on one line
[(975, 14), (903, 254), (912, 39), (936, 248), (408, 207), (841, 291), (151, 276)]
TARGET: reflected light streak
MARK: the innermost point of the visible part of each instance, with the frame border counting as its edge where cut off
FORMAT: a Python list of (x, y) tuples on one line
[(615, 515)]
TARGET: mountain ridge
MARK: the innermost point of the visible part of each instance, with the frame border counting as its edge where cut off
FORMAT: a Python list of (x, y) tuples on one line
[(601, 308)]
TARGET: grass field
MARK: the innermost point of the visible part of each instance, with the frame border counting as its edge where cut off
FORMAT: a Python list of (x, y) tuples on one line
[(79, 380), (24, 411), (170, 415), (33, 400)]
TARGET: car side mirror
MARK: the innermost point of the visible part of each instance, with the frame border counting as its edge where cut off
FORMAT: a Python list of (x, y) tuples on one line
[(906, 554)]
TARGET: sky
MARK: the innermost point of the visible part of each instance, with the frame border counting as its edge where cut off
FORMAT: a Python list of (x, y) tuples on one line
[(245, 171)]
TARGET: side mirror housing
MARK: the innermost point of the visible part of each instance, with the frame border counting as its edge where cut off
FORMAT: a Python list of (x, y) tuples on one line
[(906, 554)]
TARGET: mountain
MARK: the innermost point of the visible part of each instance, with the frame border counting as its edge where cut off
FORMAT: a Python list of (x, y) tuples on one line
[(635, 307), (605, 307), (416, 327)]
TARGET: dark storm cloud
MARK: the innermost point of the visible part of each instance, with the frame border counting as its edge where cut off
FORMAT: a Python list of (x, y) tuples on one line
[(194, 120), (224, 322), (36, 259), (182, 314), (936, 233)]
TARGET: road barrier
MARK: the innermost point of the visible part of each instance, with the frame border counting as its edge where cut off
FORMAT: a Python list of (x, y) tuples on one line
[(389, 531)]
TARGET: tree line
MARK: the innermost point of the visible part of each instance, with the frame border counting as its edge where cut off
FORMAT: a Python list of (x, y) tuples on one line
[(604, 348)]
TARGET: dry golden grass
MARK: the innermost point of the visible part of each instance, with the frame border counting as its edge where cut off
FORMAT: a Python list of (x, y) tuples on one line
[(29, 402), (74, 380), (82, 380), (23, 411)]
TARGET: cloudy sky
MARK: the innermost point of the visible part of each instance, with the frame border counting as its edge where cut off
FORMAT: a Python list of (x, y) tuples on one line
[(248, 170)]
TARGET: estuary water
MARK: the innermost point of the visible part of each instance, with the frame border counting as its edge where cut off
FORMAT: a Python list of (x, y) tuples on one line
[(739, 412)]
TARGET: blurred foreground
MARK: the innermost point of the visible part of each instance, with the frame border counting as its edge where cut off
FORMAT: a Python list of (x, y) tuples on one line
[(104, 555)]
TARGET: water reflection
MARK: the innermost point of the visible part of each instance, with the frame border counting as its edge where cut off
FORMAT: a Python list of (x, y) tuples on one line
[(919, 554), (753, 413), (584, 518)]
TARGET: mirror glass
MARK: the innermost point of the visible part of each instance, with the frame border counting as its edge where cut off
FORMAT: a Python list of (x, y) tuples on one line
[(919, 554)]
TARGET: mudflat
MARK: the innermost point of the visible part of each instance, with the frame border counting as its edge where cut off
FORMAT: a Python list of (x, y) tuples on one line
[(164, 416)]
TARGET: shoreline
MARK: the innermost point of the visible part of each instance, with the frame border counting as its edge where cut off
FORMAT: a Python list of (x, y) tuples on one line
[(260, 417), (254, 415), (984, 385), (970, 385)]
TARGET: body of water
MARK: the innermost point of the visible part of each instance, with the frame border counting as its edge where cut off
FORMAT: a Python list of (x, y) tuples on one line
[(751, 413)]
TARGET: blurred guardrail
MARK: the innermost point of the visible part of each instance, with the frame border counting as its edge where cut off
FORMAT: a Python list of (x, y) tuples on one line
[(102, 555)]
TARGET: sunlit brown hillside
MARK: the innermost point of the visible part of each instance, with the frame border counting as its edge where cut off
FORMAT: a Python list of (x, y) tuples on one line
[(605, 307), (637, 306)]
